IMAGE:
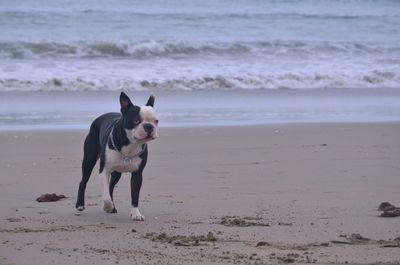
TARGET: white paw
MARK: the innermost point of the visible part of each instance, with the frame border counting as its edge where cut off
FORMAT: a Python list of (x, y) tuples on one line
[(108, 206), (136, 215), (80, 208)]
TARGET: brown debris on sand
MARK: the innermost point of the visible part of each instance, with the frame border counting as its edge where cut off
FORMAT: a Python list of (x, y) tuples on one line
[(262, 243), (181, 240), (241, 222), (50, 197), (395, 213), (389, 210), (386, 206), (353, 239), (357, 239)]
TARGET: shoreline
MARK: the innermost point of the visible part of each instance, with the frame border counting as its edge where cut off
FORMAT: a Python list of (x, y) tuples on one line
[(41, 129), (271, 193), (76, 110)]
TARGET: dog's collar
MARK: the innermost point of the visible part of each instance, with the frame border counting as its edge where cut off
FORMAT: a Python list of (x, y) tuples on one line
[(126, 158)]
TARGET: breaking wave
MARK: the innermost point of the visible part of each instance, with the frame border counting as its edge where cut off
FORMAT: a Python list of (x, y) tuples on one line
[(190, 65), (374, 79), (152, 49)]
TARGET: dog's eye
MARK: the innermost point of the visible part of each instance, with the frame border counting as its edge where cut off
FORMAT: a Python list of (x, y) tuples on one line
[(156, 121), (136, 122)]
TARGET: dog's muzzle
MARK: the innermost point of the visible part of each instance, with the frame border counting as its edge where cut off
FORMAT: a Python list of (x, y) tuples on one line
[(147, 131)]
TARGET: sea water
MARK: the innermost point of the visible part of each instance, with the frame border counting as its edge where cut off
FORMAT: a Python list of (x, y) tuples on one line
[(301, 56)]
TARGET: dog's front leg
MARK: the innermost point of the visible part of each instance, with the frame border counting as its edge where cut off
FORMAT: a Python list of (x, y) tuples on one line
[(136, 184), (105, 181)]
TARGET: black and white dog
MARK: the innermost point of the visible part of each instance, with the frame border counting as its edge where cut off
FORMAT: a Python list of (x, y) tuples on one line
[(120, 141)]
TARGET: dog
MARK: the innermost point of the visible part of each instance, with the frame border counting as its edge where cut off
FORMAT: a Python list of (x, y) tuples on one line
[(119, 140)]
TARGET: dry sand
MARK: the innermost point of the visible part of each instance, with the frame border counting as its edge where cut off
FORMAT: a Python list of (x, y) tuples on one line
[(304, 193)]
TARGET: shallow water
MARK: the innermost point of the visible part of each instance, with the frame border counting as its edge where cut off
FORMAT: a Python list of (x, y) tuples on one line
[(76, 110)]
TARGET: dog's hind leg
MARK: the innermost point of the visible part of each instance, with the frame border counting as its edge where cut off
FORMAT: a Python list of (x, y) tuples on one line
[(90, 156), (115, 176)]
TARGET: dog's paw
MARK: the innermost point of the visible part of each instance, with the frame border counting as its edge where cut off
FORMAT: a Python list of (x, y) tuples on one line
[(80, 208), (109, 207), (138, 218), (136, 215)]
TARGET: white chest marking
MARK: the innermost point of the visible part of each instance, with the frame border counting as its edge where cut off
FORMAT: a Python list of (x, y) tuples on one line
[(117, 161)]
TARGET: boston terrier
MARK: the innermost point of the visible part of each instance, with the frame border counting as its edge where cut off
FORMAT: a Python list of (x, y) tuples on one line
[(120, 141)]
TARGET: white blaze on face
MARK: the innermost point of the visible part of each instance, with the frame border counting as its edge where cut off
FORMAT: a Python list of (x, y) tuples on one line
[(148, 116)]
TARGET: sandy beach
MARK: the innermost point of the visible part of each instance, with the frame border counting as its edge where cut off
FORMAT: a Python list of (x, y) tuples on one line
[(274, 194), (279, 131)]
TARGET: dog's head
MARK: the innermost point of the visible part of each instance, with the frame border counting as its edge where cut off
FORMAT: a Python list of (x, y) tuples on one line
[(140, 123)]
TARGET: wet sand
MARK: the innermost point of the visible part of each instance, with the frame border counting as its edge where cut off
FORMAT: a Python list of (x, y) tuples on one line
[(275, 194)]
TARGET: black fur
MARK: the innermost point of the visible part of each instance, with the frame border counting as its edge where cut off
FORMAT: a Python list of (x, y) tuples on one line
[(150, 102), (98, 139)]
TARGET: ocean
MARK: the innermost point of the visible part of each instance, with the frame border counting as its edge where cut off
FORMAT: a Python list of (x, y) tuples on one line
[(329, 60)]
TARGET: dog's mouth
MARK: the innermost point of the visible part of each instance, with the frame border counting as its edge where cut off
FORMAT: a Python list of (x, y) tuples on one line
[(147, 138)]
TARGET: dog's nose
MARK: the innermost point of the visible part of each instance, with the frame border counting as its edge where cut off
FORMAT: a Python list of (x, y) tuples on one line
[(148, 128)]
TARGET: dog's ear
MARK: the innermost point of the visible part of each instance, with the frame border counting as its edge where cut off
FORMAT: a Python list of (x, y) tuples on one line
[(150, 101), (125, 102)]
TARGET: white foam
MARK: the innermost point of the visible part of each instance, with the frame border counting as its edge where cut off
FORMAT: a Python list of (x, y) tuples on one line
[(160, 65)]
